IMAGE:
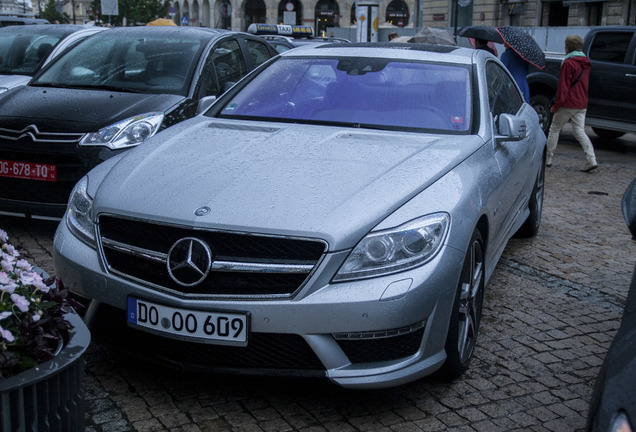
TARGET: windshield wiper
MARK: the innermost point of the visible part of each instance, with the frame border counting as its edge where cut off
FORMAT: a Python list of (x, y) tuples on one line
[(86, 87)]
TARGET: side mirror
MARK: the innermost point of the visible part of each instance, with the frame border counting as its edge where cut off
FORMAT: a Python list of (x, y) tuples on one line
[(511, 128), (629, 207), (205, 103)]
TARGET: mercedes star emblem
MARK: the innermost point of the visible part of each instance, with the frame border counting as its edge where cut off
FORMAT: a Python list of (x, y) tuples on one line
[(189, 261)]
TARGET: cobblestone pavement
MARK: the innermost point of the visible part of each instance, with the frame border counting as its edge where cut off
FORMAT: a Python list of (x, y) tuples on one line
[(551, 310)]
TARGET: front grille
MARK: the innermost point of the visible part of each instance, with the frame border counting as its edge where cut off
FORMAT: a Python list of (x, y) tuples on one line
[(243, 264), (382, 349), (264, 351), (31, 132)]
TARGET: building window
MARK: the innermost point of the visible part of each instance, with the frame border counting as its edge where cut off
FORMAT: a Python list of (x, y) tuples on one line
[(594, 13), (557, 14)]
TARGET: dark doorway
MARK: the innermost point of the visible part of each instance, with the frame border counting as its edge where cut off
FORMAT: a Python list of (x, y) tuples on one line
[(290, 12), (327, 14), (225, 15), (397, 13), (254, 12)]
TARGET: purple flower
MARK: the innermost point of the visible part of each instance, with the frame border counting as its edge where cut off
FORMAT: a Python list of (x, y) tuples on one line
[(6, 265), (9, 249), (3, 236), (39, 283), (24, 265), (6, 334), (21, 302), (9, 287)]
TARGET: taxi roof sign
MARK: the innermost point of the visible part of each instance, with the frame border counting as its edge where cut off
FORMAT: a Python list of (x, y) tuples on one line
[(277, 29)]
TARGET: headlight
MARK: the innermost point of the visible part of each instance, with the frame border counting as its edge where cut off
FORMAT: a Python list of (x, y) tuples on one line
[(78, 212), (397, 249), (126, 133)]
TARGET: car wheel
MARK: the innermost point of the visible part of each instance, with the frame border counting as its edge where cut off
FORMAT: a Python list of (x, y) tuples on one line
[(466, 313), (541, 104), (530, 227), (606, 133)]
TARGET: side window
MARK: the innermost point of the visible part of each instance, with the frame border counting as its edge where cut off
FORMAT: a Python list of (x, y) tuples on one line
[(610, 46), (40, 49), (258, 51), (225, 65), (503, 95)]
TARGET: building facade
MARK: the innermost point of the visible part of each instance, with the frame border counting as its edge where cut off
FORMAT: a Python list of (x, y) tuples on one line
[(322, 14)]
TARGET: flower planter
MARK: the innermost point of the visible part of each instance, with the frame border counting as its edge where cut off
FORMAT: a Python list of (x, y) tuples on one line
[(49, 397)]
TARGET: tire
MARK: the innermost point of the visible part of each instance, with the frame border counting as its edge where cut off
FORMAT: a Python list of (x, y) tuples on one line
[(466, 313), (606, 133), (530, 227), (541, 104)]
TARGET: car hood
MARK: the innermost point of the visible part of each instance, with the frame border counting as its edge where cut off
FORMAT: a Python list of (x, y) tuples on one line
[(11, 81), (76, 110), (288, 179)]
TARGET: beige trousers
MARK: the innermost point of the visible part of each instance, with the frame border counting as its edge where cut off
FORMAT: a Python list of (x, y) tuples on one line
[(560, 118)]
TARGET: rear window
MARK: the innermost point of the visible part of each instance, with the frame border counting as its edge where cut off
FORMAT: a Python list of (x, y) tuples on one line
[(361, 92)]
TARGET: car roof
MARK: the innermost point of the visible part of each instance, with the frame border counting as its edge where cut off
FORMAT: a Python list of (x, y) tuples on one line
[(45, 29), (173, 30), (407, 51)]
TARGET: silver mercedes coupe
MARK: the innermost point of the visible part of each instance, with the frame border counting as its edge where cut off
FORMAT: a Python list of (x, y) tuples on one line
[(337, 213)]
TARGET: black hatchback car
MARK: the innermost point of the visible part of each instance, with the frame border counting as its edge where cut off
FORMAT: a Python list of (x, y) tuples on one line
[(110, 92)]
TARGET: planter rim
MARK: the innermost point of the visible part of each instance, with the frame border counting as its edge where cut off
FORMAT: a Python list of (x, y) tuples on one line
[(79, 339)]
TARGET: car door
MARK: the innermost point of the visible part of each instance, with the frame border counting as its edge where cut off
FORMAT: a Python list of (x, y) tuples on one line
[(512, 156), (223, 67), (612, 87), (256, 51)]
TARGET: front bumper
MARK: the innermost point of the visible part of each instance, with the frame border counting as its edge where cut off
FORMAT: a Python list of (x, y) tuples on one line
[(372, 333)]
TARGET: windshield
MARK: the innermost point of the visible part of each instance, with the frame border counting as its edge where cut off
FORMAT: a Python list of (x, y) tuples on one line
[(23, 54), (367, 92), (123, 61)]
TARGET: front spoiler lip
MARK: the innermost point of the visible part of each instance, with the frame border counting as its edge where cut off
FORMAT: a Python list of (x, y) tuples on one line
[(30, 209)]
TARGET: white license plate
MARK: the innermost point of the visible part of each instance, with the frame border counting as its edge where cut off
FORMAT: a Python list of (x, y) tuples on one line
[(221, 328)]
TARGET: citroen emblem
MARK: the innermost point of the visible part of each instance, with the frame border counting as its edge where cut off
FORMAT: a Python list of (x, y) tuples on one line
[(189, 261)]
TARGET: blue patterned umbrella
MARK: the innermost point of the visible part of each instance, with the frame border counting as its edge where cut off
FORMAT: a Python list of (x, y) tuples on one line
[(523, 44)]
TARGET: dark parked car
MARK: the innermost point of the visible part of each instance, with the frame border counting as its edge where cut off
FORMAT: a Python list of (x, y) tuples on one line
[(611, 110), (285, 37), (25, 49), (8, 21), (613, 405), (107, 94)]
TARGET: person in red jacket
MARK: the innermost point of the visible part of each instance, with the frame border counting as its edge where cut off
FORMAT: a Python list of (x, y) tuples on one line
[(571, 101)]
